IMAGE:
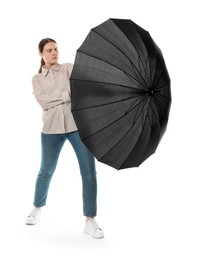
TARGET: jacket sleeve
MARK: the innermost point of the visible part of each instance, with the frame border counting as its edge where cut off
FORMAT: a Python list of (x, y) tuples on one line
[(69, 68), (48, 101)]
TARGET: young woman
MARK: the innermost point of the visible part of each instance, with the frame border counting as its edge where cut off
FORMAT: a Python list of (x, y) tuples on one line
[(51, 87)]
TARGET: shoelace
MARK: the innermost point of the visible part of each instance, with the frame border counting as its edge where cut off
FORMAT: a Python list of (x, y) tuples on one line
[(95, 224), (34, 213)]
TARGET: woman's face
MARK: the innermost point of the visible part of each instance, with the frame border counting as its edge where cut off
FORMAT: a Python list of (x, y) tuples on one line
[(50, 54)]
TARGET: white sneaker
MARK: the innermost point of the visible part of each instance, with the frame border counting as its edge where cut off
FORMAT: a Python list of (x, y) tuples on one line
[(91, 228), (34, 216)]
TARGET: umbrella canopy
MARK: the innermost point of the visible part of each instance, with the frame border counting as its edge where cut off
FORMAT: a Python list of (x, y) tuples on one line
[(120, 92)]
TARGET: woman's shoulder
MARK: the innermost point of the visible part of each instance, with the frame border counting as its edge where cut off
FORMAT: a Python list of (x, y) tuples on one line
[(36, 79), (36, 76), (67, 65)]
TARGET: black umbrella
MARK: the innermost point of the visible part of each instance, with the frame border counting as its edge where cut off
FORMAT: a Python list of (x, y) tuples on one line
[(120, 93)]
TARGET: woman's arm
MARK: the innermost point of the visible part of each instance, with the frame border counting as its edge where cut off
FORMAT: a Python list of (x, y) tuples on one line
[(69, 68), (48, 101)]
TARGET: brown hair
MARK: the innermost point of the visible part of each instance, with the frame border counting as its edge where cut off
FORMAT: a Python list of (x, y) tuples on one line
[(41, 45)]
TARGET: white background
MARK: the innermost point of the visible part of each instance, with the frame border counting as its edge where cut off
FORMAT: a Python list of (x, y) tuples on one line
[(150, 212)]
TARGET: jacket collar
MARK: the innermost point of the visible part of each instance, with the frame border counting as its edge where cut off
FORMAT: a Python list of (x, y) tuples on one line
[(45, 71)]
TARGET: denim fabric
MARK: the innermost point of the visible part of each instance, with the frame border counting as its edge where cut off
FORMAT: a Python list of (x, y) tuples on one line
[(51, 148)]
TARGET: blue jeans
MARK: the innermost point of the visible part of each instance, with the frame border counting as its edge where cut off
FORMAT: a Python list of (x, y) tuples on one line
[(51, 148)]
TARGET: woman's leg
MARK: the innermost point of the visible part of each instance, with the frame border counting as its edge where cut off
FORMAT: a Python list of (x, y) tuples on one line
[(51, 147), (88, 172)]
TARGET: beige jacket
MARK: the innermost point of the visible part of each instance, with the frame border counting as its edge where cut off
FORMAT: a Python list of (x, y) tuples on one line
[(52, 90)]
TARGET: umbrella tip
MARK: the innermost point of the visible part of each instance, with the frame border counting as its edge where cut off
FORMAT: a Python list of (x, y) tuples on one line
[(151, 91)]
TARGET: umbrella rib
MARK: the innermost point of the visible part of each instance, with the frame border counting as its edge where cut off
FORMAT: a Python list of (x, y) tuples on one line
[(105, 83), (132, 107), (153, 108), (127, 131), (126, 55), (143, 124), (157, 93), (120, 118), (158, 79), (162, 86), (104, 104), (160, 107), (83, 52)]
